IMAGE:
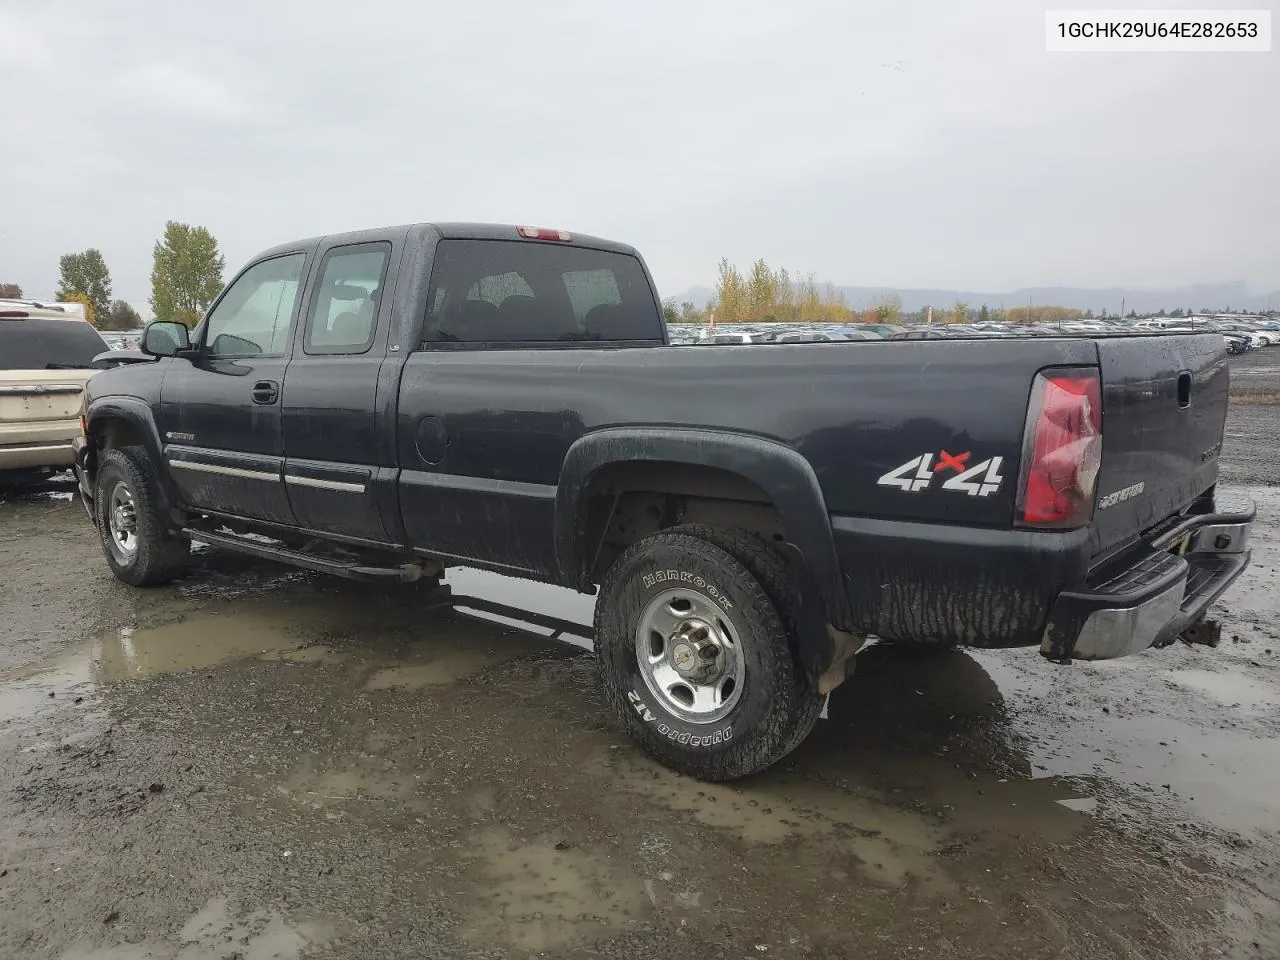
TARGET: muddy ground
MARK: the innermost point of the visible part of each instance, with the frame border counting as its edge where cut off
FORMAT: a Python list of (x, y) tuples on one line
[(257, 763)]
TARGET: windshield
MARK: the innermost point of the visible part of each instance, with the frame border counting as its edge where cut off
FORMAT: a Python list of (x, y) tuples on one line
[(39, 344)]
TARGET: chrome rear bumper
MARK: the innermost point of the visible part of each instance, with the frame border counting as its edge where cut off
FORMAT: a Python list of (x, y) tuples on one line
[(1157, 597)]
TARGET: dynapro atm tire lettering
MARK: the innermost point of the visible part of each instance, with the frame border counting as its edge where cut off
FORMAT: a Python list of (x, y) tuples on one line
[(919, 473), (722, 735)]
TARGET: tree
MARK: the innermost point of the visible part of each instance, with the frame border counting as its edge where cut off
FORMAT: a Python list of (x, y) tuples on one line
[(89, 313), (984, 315), (1037, 314), (887, 309), (959, 313), (670, 312), (10, 291), (731, 300), (86, 273), (121, 316), (690, 312), (187, 273)]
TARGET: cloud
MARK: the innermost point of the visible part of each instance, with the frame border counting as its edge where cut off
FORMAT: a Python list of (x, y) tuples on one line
[(926, 144)]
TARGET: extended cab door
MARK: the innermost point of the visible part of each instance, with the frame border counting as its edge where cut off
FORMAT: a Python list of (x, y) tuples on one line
[(220, 412), (332, 440), (488, 402)]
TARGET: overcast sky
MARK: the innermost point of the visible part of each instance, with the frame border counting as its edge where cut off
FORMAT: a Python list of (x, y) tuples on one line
[(874, 143)]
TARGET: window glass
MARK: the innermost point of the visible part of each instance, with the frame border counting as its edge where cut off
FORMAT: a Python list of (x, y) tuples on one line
[(588, 289), (344, 312), (501, 291), (40, 344), (255, 316)]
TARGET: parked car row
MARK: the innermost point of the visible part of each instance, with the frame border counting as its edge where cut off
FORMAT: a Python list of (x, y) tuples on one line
[(1242, 333)]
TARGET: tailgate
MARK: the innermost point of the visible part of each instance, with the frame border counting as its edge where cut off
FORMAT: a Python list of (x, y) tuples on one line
[(33, 396), (1164, 405)]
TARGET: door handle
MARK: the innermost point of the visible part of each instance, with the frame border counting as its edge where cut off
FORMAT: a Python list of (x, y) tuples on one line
[(265, 391)]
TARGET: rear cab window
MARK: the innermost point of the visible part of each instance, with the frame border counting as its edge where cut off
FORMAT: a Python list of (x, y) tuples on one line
[(520, 291), (48, 344)]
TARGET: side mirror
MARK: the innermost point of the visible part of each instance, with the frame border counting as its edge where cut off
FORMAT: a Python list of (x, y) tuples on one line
[(164, 338)]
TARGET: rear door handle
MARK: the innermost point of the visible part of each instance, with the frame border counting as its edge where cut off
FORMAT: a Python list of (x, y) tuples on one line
[(265, 391)]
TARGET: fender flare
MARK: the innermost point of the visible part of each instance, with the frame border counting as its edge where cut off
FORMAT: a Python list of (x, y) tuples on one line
[(777, 469), (136, 412)]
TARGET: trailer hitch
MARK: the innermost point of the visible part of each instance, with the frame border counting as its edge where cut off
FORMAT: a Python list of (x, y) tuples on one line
[(1206, 632)]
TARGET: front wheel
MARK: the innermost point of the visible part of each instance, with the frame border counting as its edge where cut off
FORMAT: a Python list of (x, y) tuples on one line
[(138, 546), (696, 656)]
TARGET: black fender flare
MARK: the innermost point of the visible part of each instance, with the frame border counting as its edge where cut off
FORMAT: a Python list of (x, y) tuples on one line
[(137, 413), (778, 470)]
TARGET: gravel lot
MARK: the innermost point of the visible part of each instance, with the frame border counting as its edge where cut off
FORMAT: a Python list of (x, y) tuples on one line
[(257, 763)]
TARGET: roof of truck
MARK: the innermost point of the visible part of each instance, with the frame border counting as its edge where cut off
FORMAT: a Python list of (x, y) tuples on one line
[(447, 231)]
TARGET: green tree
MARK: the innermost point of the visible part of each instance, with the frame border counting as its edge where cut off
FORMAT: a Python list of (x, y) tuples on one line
[(984, 315), (86, 272), (959, 313), (121, 316), (10, 291), (187, 273)]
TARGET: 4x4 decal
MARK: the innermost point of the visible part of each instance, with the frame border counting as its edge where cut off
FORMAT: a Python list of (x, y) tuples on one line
[(918, 473)]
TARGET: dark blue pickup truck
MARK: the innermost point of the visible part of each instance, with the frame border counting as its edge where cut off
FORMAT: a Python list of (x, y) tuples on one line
[(385, 404)]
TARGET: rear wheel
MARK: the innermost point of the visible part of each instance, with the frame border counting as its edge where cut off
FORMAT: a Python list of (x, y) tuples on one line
[(138, 546), (694, 635)]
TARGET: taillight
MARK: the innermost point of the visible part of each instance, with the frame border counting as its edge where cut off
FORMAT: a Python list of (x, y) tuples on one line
[(1062, 449)]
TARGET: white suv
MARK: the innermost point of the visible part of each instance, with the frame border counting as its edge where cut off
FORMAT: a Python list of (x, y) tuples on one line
[(46, 358)]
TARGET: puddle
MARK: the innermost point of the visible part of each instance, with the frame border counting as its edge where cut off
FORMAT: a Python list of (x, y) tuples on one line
[(888, 846), (1240, 693), (215, 933), (1091, 722), (34, 699), (530, 896), (201, 640)]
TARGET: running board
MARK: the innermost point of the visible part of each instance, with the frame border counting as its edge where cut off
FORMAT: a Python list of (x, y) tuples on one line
[(400, 573)]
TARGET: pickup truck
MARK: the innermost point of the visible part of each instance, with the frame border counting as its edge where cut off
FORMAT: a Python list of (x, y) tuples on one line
[(389, 403)]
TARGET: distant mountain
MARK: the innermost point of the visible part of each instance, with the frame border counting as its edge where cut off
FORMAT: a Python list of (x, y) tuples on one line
[(1213, 296)]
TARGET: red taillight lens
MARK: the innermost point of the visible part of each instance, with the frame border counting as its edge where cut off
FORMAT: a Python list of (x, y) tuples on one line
[(1063, 449)]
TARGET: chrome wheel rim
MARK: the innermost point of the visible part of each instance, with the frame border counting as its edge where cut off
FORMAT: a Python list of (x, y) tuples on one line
[(690, 656), (122, 522)]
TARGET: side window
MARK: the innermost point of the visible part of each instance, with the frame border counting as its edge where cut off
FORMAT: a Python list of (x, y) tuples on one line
[(255, 316), (344, 310)]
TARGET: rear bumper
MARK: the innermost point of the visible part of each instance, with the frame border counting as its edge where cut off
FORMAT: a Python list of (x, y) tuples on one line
[(25, 456), (1156, 595)]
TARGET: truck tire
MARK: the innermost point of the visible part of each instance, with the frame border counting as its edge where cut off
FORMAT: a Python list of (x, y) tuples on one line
[(694, 635), (140, 549)]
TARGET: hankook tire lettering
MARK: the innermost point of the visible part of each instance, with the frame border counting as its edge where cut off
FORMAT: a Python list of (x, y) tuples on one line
[(683, 576)]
